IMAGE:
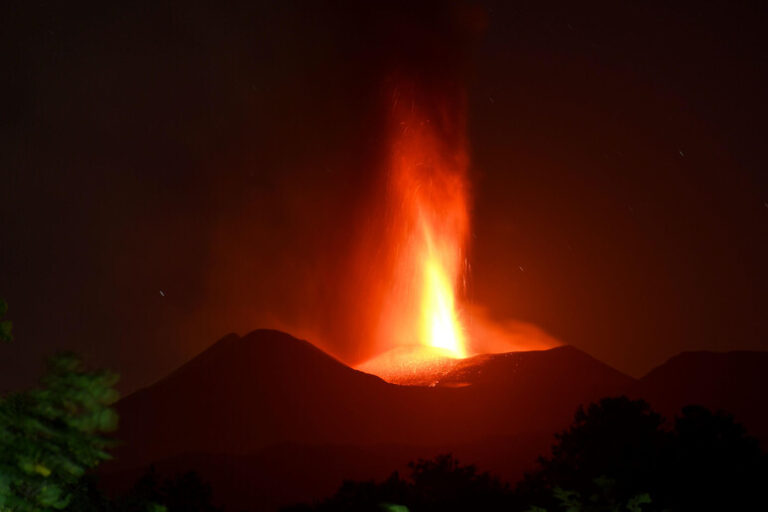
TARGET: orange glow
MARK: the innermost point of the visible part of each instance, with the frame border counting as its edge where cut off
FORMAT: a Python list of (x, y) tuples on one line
[(428, 228), (439, 323), (414, 252)]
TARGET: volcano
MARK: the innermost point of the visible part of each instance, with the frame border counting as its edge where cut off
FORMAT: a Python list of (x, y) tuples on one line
[(244, 394), (269, 400), (271, 419)]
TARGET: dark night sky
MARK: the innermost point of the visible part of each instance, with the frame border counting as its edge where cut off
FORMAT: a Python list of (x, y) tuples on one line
[(225, 153)]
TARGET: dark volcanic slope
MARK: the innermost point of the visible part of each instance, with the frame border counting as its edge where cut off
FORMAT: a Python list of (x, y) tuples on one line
[(732, 381), (244, 394), (512, 369), (269, 419)]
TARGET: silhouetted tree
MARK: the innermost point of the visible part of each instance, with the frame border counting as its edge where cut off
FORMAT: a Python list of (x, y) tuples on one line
[(441, 484), (444, 484), (366, 496), (616, 440), (603, 501), (712, 464), (144, 493), (88, 497), (183, 493), (617, 455), (187, 493)]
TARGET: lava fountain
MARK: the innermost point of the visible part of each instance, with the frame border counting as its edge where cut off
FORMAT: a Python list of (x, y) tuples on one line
[(427, 229), (431, 189)]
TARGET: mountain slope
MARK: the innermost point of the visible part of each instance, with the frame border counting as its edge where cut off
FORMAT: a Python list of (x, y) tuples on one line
[(269, 419), (732, 381), (244, 394)]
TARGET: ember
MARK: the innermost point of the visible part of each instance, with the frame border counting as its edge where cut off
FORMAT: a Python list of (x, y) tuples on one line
[(427, 230)]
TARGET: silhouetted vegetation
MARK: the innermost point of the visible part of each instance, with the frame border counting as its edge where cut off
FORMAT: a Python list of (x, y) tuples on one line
[(618, 455), (618, 449), (610, 454), (183, 493), (603, 501), (439, 484), (5, 325)]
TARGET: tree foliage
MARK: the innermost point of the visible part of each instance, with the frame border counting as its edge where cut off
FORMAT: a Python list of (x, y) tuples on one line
[(615, 440), (439, 484), (5, 325), (185, 492), (50, 436), (604, 501), (619, 455)]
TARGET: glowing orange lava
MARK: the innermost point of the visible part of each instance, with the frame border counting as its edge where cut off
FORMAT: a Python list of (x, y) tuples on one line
[(428, 227), (440, 326), (412, 263), (414, 252)]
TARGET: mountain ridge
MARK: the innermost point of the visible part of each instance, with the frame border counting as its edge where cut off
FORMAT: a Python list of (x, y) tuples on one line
[(268, 398), (245, 393)]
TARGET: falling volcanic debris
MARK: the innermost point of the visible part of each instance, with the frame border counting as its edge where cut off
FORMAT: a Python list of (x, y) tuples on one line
[(416, 260), (427, 228)]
